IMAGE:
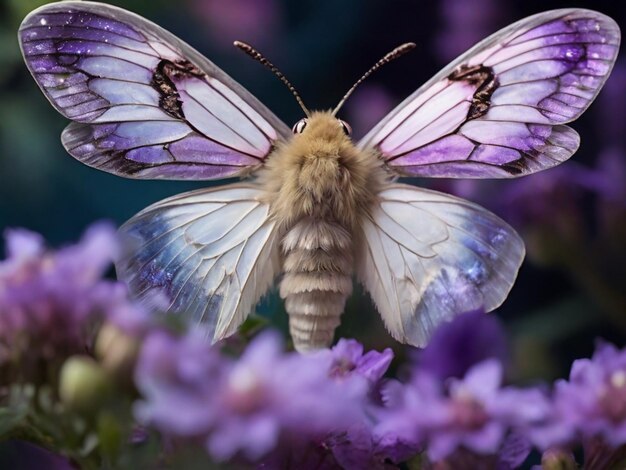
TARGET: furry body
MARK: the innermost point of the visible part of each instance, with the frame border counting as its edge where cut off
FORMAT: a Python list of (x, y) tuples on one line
[(319, 185)]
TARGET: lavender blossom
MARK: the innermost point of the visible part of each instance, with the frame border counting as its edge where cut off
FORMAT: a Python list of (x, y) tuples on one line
[(457, 346), (177, 378), (455, 406), (593, 401), (51, 301), (473, 413), (244, 407), (267, 394), (348, 358), (358, 446)]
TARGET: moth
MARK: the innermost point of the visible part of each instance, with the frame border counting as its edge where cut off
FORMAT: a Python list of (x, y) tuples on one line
[(316, 207)]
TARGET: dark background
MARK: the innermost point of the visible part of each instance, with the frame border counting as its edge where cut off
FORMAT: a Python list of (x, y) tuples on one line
[(571, 288)]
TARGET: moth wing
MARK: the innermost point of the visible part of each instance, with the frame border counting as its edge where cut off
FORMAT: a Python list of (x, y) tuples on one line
[(425, 257), (211, 253), (145, 104), (498, 110)]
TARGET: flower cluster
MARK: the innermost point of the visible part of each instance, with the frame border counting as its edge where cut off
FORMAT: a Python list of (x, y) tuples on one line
[(335, 408), (590, 408), (52, 302), (455, 404), (265, 404)]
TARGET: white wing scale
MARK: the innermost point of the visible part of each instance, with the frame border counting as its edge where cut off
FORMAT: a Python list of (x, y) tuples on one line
[(212, 253), (425, 257)]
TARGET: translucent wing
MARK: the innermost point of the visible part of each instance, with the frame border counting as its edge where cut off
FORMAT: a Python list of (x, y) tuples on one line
[(426, 257), (212, 253), (498, 110), (146, 105)]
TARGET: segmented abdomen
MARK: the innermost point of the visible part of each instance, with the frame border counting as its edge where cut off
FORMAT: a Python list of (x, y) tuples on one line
[(317, 280)]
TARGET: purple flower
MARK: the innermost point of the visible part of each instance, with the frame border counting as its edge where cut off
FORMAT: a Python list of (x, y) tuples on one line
[(358, 447), (473, 413), (268, 394), (355, 448), (348, 358), (246, 407), (50, 302), (511, 455), (354, 445), (457, 346), (593, 401), (464, 418), (177, 378)]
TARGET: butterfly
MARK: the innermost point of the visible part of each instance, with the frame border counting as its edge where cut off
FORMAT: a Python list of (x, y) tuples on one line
[(316, 207)]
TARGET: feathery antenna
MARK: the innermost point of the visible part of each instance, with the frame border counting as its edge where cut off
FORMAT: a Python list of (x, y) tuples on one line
[(397, 52), (256, 55)]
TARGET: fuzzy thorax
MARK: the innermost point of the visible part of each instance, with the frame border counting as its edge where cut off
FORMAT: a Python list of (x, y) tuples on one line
[(320, 173)]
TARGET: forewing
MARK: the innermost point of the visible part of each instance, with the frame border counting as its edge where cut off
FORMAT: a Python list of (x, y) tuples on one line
[(211, 253), (425, 257), (145, 104), (498, 110)]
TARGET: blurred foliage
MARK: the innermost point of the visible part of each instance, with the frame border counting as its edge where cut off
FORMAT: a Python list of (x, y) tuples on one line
[(555, 311)]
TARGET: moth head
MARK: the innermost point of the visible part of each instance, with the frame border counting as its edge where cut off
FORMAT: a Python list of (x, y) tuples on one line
[(301, 125)]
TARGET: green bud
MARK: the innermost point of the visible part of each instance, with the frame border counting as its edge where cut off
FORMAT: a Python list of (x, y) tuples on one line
[(117, 352), (556, 459), (83, 384)]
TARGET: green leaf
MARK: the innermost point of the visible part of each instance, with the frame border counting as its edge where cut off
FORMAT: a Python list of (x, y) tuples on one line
[(110, 435), (253, 324)]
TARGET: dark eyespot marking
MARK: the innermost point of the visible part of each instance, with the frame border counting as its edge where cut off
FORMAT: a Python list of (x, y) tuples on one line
[(487, 82), (163, 82)]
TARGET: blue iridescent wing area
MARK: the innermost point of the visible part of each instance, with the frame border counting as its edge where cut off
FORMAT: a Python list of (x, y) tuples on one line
[(145, 104), (426, 257), (211, 254), (498, 110)]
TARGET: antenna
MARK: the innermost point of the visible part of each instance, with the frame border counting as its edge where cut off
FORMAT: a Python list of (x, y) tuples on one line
[(256, 55), (397, 52)]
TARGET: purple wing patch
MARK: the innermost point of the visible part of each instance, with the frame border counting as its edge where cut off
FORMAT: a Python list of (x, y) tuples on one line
[(498, 111), (146, 105)]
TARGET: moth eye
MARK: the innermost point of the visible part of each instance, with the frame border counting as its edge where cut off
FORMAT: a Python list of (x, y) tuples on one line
[(346, 127), (299, 126)]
